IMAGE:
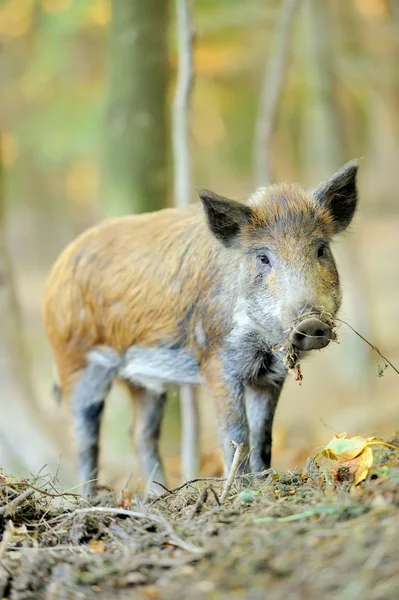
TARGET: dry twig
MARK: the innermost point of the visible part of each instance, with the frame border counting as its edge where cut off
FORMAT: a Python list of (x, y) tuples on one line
[(139, 515), (258, 475), (233, 469), (17, 501), (372, 346)]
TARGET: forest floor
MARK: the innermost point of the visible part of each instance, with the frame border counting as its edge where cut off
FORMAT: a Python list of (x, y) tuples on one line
[(277, 535)]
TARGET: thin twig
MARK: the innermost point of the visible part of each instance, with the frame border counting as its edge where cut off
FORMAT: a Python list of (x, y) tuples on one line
[(39, 490), (163, 487), (17, 501), (233, 469), (372, 346), (210, 488), (177, 489), (139, 515), (200, 503)]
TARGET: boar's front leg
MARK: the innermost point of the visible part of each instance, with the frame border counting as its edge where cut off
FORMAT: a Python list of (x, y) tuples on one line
[(261, 403), (228, 393)]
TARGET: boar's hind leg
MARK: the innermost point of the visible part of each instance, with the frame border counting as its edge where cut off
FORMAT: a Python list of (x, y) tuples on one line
[(147, 430), (232, 420), (261, 405), (87, 401)]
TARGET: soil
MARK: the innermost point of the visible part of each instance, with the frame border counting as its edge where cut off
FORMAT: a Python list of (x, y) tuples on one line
[(278, 535)]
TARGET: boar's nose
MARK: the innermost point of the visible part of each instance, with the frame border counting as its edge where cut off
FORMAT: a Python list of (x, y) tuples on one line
[(311, 334)]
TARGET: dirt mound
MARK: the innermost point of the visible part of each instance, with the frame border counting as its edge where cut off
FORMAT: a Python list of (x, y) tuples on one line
[(296, 535)]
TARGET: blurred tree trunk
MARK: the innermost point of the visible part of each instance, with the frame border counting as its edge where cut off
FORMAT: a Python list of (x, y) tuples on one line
[(189, 410), (271, 92), (324, 152), (383, 109), (135, 168), (25, 442)]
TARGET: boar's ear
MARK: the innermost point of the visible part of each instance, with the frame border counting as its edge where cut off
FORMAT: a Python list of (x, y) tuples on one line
[(339, 195), (225, 217)]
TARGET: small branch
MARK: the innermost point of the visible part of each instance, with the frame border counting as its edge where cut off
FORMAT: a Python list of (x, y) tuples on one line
[(271, 92), (204, 479), (40, 491), (17, 501), (139, 515), (369, 344), (210, 488), (202, 500), (200, 503), (233, 469), (163, 487)]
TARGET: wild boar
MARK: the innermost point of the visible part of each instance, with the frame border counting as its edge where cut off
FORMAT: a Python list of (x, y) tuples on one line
[(204, 294)]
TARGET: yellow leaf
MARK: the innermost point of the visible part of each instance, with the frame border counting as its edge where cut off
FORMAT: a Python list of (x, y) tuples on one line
[(359, 466), (342, 448)]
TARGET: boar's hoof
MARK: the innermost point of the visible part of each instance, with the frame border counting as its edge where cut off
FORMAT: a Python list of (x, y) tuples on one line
[(311, 334)]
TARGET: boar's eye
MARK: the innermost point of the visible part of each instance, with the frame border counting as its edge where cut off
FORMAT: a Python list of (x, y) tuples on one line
[(322, 251), (264, 259)]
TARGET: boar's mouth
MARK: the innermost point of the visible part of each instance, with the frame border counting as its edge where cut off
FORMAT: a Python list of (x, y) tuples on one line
[(312, 333)]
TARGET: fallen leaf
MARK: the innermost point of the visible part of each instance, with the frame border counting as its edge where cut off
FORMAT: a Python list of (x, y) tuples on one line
[(354, 456), (358, 466), (343, 448)]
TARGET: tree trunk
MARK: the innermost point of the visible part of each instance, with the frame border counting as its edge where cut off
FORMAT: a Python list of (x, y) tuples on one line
[(271, 92), (189, 411), (135, 169)]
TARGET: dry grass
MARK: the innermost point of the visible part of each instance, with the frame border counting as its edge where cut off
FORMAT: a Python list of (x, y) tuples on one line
[(296, 535)]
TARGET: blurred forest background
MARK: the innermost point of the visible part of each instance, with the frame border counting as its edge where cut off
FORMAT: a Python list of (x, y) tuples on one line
[(85, 111)]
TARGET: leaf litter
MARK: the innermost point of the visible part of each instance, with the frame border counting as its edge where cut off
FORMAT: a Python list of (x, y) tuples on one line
[(353, 454), (297, 534)]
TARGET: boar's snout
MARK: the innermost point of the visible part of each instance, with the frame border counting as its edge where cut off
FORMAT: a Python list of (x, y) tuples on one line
[(311, 334)]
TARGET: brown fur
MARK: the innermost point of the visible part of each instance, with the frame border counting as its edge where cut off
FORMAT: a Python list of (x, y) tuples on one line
[(135, 279), (129, 281), (217, 289)]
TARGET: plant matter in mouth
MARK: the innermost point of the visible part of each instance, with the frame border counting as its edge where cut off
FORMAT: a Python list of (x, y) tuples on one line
[(291, 353)]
